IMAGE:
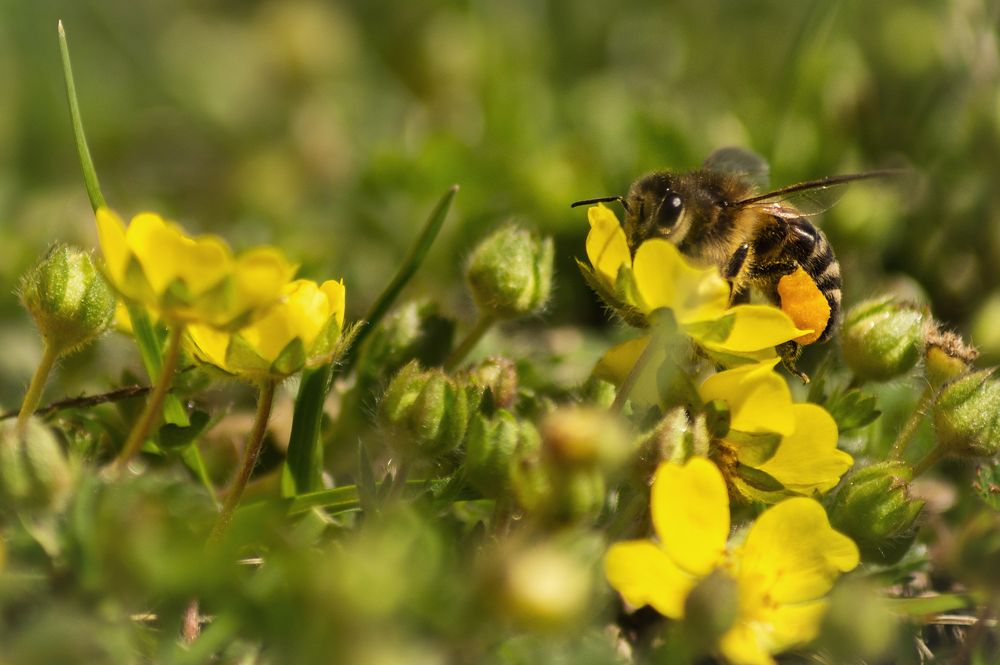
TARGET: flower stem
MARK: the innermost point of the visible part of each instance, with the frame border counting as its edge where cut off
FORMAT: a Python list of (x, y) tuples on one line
[(633, 376), (86, 162), (910, 428), (250, 455), (153, 406), (929, 460), (34, 394), (483, 324)]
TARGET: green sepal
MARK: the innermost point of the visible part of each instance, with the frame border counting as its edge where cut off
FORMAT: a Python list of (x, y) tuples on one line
[(758, 480), (291, 359), (754, 449), (628, 313), (715, 331)]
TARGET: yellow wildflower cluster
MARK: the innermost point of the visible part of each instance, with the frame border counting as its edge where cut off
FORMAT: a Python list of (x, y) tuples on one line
[(241, 313), (762, 447)]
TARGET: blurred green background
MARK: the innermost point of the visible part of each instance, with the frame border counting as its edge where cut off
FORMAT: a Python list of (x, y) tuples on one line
[(331, 128)]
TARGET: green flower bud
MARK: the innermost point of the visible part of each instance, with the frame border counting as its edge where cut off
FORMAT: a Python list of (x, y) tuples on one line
[(425, 413), (545, 588), (946, 356), (510, 273), (491, 445), (68, 298), (967, 415), (882, 338), (710, 610), (34, 474), (875, 509), (581, 436), (557, 494), (497, 375)]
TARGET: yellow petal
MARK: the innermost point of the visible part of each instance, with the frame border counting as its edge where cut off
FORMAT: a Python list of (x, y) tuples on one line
[(757, 327), (794, 625), (336, 294), (804, 303), (807, 460), (644, 575), (793, 554), (111, 235), (618, 362), (209, 345), (664, 278), (260, 275), (302, 313), (759, 399), (743, 645), (166, 254), (690, 507), (607, 248)]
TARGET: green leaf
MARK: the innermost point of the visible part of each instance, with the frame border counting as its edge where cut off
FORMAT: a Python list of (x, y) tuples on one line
[(924, 605), (852, 409), (173, 436), (987, 483)]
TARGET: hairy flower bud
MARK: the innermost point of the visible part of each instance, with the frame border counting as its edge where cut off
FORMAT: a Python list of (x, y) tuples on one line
[(589, 437), (510, 273), (498, 375), (493, 442), (967, 415), (946, 355), (875, 509), (34, 474), (425, 412), (882, 338), (68, 298)]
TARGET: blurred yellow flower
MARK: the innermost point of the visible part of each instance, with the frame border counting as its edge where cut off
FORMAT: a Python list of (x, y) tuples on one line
[(301, 330), (659, 277), (772, 438), (184, 279), (783, 570)]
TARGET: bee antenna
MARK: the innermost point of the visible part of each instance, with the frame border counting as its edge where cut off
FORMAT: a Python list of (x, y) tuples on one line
[(603, 199)]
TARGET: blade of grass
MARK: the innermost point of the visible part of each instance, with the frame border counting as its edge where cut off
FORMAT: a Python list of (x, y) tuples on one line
[(150, 348), (303, 467)]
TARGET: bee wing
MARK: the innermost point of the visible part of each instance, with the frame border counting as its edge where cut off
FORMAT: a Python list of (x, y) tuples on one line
[(748, 164), (812, 197)]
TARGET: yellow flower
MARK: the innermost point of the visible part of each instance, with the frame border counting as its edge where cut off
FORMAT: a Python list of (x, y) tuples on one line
[(301, 330), (659, 277), (772, 439), (783, 570), (184, 279)]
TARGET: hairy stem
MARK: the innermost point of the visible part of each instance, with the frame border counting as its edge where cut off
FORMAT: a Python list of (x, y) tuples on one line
[(250, 455), (34, 394), (483, 324), (155, 403), (910, 428)]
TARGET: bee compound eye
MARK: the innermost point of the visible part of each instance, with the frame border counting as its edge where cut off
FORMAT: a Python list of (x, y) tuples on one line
[(669, 210)]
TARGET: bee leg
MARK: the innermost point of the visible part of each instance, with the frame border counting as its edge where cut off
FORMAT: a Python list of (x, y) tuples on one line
[(789, 353)]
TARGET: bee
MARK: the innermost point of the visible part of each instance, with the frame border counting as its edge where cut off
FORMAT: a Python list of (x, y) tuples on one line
[(717, 216)]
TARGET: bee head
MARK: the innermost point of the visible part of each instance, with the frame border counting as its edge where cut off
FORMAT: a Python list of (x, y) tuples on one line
[(653, 208)]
